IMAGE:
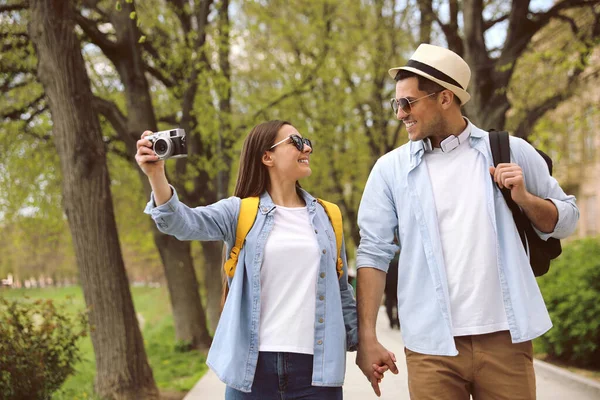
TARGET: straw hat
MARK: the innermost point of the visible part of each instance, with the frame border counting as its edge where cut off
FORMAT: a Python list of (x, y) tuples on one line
[(442, 66)]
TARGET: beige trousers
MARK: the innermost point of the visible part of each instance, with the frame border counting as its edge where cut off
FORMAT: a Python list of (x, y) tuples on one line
[(487, 367)]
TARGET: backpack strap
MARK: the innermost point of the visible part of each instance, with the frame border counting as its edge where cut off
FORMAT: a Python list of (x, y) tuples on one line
[(500, 144), (335, 217), (248, 211)]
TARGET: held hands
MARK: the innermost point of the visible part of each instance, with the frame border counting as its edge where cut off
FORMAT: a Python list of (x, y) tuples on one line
[(146, 158), (374, 360), (510, 176)]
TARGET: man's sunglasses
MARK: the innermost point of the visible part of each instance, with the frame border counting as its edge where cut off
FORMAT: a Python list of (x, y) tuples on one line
[(404, 104), (297, 141)]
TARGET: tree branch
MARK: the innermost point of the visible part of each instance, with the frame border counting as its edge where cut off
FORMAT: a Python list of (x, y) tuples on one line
[(108, 47), (178, 7), (451, 29), (169, 119), (533, 115), (14, 7), (14, 35), (523, 24), (571, 22), (489, 24), (113, 115), (7, 85), (542, 19), (114, 150), (396, 134), (158, 74), (15, 114)]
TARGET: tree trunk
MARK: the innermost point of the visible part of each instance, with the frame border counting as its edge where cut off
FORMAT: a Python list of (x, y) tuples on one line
[(213, 251), (121, 364), (183, 289), (213, 265), (188, 313), (426, 12)]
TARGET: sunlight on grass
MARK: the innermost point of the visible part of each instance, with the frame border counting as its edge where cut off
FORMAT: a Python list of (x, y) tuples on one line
[(173, 370)]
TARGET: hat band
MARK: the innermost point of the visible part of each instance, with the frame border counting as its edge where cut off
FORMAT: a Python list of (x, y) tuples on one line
[(436, 73)]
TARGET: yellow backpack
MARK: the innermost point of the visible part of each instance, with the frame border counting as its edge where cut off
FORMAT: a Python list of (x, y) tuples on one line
[(248, 212)]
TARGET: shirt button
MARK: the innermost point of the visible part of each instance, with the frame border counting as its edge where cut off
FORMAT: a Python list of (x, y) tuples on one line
[(324, 251), (316, 231), (321, 320), (322, 275), (320, 342), (321, 298)]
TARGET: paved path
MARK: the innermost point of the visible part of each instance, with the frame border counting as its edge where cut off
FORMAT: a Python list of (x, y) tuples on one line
[(552, 383)]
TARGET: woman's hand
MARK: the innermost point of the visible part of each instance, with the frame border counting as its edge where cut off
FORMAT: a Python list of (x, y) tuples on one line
[(146, 158)]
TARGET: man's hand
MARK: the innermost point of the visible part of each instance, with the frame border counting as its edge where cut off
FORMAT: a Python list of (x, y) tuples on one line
[(542, 213), (510, 176), (372, 358)]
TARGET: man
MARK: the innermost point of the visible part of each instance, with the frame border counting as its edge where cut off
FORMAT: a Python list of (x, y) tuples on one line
[(468, 301)]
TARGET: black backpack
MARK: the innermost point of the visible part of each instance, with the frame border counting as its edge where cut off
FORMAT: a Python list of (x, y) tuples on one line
[(540, 251)]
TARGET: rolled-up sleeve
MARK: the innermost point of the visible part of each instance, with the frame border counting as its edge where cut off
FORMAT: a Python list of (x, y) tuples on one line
[(377, 221), (217, 221), (540, 183)]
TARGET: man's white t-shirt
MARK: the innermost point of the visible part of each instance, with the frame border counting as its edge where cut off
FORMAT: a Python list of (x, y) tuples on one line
[(288, 278), (468, 239)]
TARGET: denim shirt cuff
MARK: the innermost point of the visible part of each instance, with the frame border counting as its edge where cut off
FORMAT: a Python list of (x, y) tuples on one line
[(168, 207), (352, 340)]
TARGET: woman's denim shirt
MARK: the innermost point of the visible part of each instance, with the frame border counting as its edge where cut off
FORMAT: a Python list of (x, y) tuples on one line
[(234, 351)]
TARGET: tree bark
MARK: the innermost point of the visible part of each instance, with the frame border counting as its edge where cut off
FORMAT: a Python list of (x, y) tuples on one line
[(122, 368), (213, 251), (183, 289), (213, 265), (427, 16)]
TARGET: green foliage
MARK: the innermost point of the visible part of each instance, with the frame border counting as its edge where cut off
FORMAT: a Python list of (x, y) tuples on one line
[(173, 370), (38, 347), (572, 293), (545, 71)]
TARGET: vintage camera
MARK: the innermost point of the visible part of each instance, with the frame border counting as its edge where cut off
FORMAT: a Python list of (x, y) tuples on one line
[(169, 144)]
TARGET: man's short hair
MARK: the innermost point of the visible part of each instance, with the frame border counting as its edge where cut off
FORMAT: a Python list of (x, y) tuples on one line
[(425, 85)]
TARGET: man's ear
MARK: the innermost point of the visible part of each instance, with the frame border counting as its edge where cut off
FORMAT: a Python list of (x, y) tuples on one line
[(266, 159), (447, 99)]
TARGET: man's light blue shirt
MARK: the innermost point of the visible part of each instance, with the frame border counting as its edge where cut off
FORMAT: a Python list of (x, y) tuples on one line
[(398, 197), (233, 354)]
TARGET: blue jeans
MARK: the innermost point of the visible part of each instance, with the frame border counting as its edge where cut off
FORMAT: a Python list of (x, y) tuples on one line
[(284, 376)]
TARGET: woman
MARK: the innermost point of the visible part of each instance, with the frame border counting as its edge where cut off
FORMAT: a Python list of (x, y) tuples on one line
[(288, 319)]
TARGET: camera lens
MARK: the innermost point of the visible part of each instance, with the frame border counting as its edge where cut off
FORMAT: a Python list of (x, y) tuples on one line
[(162, 147)]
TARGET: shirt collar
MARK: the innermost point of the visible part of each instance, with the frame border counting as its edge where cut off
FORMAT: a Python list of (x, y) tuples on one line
[(266, 203)]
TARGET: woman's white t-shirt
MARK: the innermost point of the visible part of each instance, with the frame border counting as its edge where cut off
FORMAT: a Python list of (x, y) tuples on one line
[(288, 279)]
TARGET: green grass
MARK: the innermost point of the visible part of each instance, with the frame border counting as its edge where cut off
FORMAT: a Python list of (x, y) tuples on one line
[(173, 370)]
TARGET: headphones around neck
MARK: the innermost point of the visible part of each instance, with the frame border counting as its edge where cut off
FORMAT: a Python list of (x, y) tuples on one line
[(450, 143)]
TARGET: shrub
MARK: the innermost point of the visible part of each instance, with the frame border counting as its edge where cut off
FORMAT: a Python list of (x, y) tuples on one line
[(572, 293), (38, 348)]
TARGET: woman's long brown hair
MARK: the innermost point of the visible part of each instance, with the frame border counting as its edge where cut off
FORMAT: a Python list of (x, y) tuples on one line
[(253, 177)]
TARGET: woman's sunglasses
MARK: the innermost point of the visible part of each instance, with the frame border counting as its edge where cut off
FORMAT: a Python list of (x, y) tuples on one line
[(297, 141), (404, 104)]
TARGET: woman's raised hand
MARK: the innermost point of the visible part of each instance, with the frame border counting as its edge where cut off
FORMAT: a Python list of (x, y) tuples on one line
[(146, 158)]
